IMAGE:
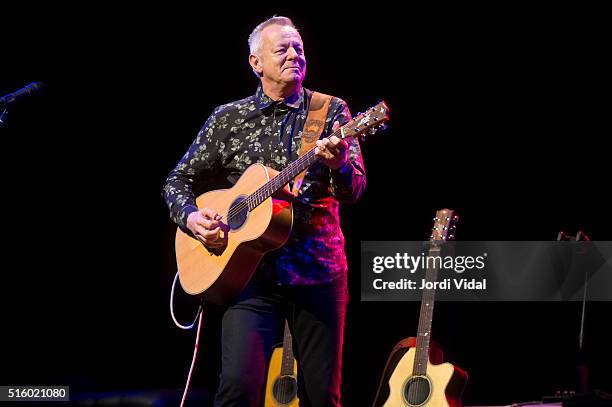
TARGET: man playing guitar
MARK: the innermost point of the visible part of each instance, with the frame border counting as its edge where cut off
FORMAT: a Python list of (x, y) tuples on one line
[(304, 281)]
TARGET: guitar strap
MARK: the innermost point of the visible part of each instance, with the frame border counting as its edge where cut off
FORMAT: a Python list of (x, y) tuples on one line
[(313, 127)]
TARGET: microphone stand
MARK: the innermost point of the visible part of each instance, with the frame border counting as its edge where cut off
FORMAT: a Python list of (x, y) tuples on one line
[(7, 99), (3, 116)]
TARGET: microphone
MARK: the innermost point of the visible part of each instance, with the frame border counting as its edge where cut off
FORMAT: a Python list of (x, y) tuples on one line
[(21, 93)]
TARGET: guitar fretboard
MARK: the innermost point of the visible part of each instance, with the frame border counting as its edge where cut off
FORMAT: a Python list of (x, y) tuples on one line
[(287, 359), (284, 177), (425, 318)]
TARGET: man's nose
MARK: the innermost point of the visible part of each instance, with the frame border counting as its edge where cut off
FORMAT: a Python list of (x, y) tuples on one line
[(291, 53)]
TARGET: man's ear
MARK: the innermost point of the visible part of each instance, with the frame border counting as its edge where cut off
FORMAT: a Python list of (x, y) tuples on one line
[(255, 62)]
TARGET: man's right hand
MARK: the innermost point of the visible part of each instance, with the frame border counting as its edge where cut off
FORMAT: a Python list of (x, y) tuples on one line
[(205, 226)]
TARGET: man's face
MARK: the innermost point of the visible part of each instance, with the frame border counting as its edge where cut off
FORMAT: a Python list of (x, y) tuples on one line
[(281, 58)]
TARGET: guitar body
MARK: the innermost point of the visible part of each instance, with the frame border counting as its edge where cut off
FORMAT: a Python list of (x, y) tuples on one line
[(442, 387), (281, 390), (221, 274)]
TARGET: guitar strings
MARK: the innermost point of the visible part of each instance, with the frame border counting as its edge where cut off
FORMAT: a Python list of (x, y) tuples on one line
[(415, 388), (427, 301), (413, 391), (264, 190), (289, 367), (284, 385)]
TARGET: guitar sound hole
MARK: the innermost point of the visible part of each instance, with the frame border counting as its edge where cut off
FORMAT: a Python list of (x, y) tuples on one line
[(237, 213), (417, 390), (285, 389)]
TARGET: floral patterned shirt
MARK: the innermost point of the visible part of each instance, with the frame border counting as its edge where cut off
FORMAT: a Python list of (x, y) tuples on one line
[(260, 130)]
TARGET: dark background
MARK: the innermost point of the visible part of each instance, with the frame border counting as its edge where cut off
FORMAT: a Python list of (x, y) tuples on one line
[(501, 114)]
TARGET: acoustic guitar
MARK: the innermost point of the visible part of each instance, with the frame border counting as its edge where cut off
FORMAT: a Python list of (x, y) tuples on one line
[(281, 380), (414, 375), (255, 220)]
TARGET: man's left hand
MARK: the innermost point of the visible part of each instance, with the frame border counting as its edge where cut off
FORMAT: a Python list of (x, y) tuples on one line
[(333, 151)]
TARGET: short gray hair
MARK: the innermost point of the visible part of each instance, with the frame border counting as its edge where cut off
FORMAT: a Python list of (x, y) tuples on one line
[(255, 37)]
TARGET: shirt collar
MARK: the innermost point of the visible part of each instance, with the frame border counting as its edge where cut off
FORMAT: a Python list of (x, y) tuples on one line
[(294, 101)]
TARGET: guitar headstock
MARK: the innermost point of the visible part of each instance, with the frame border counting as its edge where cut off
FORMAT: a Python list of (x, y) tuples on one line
[(370, 121), (444, 226)]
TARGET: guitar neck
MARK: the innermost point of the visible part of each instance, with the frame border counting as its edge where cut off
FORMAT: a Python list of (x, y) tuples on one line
[(287, 359), (283, 177), (367, 122), (425, 318)]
